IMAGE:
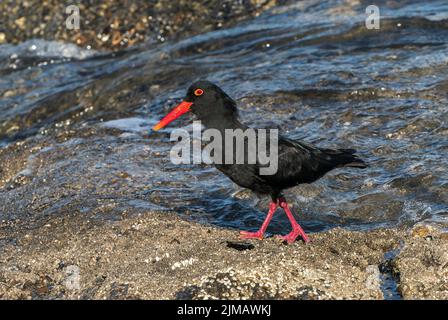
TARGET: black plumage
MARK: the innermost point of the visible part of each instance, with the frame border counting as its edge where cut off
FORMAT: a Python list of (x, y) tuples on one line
[(298, 162)]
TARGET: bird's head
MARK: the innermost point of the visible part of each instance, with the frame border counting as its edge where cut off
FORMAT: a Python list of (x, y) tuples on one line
[(207, 101)]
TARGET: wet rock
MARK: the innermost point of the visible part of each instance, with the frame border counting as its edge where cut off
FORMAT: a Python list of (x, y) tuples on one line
[(444, 236), (100, 222), (423, 269), (228, 285), (112, 26), (118, 291), (421, 231), (426, 231), (116, 260)]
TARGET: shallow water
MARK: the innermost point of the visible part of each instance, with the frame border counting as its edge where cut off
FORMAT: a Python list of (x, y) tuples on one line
[(311, 69)]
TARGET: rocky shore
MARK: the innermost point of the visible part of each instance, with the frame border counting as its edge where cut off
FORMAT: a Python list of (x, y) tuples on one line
[(70, 232), (119, 24), (82, 204), (160, 256)]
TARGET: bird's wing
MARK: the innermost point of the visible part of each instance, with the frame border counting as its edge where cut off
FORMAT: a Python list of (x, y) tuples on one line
[(298, 162)]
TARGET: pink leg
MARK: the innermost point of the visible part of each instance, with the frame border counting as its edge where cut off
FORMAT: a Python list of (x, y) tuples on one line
[(296, 228), (259, 234)]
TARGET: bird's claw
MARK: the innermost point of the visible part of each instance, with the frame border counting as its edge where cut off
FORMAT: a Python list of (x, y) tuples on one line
[(251, 235), (292, 236)]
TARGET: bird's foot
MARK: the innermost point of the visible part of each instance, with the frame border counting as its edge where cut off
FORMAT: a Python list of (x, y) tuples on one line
[(251, 235), (292, 236)]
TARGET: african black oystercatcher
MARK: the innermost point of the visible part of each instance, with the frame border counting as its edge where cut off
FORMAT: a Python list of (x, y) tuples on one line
[(298, 162)]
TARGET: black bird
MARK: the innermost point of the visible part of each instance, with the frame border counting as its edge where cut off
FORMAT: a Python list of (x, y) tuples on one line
[(298, 162)]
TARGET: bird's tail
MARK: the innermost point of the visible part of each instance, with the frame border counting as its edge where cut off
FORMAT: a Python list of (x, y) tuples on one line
[(346, 158)]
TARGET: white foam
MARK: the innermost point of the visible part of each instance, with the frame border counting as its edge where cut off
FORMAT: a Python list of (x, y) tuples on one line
[(128, 124), (44, 48)]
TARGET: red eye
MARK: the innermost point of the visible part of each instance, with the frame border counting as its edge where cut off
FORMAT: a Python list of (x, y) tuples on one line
[(198, 92)]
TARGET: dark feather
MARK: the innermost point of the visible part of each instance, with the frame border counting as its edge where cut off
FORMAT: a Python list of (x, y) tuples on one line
[(298, 162)]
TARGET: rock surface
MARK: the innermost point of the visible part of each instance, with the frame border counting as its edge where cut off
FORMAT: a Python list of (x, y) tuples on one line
[(423, 265), (115, 25), (160, 256)]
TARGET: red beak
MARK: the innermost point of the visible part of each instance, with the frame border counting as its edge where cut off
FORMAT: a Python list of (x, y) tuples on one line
[(183, 107)]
